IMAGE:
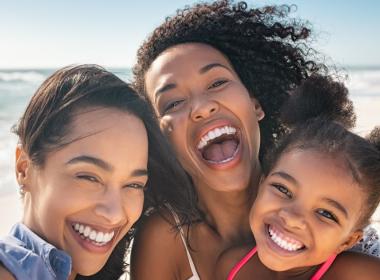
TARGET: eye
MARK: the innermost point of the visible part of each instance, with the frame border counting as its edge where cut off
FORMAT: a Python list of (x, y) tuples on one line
[(136, 186), (89, 178), (282, 189), (327, 214), (217, 83), (172, 105)]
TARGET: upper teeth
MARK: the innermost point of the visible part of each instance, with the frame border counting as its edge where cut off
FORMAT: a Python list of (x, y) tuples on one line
[(97, 236), (285, 243), (214, 133)]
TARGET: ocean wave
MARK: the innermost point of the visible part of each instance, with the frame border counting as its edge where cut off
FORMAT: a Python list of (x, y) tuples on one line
[(366, 82), (22, 76)]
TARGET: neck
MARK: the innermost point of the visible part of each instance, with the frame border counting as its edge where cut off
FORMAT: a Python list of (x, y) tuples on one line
[(227, 212), (296, 274)]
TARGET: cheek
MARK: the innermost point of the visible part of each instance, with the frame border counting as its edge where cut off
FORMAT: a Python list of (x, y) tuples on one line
[(133, 205)]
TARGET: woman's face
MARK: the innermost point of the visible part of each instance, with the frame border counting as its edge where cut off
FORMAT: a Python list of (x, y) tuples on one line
[(306, 210), (207, 114), (89, 193)]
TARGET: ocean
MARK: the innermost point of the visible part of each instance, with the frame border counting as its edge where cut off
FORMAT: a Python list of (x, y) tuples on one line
[(17, 86)]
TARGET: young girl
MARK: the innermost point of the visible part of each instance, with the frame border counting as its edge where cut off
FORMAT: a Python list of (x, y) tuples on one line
[(319, 190), (87, 147)]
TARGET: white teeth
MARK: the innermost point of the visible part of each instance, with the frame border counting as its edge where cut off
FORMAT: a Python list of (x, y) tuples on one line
[(214, 133), (289, 245), (97, 237), (92, 235), (87, 231)]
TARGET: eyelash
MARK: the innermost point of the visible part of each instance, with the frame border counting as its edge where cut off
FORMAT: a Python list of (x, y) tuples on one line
[(136, 186), (284, 190), (217, 83), (172, 105), (327, 214), (90, 178)]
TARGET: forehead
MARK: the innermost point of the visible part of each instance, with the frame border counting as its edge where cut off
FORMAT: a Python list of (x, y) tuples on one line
[(180, 61), (102, 126)]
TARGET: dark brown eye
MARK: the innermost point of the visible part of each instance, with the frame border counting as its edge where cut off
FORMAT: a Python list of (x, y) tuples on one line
[(327, 214), (217, 83), (283, 190), (171, 105)]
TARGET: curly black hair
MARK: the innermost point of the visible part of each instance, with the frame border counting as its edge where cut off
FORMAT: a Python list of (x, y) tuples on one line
[(267, 48)]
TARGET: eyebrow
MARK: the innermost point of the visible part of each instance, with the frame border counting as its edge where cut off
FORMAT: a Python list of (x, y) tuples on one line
[(103, 165), (203, 70), (285, 176), (336, 205), (91, 160), (210, 66)]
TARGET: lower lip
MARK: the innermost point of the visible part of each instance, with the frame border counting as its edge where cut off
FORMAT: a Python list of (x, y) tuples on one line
[(277, 249), (89, 246)]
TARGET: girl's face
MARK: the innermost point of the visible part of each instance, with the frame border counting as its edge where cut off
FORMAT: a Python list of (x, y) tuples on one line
[(89, 193), (306, 210), (207, 114)]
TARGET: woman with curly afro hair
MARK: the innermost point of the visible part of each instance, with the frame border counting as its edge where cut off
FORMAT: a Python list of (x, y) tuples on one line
[(216, 75)]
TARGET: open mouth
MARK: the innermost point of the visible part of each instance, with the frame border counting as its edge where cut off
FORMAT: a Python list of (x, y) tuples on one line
[(219, 145), (283, 241), (95, 237)]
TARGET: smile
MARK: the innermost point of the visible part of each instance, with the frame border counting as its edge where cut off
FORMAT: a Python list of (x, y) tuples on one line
[(284, 242), (219, 145), (97, 238)]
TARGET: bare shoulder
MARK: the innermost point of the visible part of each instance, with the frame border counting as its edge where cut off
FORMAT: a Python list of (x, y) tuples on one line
[(156, 248), (5, 274), (353, 265), (228, 259)]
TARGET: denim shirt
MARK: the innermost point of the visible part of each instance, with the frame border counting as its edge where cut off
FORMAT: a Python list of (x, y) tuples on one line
[(27, 256)]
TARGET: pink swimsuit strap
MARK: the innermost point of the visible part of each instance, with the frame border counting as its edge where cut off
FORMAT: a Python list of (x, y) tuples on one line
[(318, 275), (241, 263), (324, 267)]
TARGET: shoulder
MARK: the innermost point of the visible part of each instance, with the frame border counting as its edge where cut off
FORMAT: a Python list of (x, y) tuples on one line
[(353, 265), (157, 248), (228, 259), (5, 274)]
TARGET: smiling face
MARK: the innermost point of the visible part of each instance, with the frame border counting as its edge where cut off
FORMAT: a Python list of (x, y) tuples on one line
[(306, 210), (89, 193), (207, 114)]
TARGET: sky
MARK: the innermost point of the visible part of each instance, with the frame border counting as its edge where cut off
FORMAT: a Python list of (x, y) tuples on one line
[(51, 34)]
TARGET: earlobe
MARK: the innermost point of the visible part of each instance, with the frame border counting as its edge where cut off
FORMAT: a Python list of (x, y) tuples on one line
[(351, 241), (166, 126), (260, 114), (22, 165)]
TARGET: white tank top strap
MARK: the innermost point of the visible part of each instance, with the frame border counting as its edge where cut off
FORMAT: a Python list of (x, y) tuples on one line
[(189, 258)]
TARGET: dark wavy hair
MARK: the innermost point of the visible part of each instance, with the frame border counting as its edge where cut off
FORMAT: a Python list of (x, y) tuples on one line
[(266, 47), (47, 121), (320, 115)]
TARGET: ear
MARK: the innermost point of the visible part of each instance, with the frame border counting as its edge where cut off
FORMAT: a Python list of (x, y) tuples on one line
[(351, 241), (260, 114), (23, 165)]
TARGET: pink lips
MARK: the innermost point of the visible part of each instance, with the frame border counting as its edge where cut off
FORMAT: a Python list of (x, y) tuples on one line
[(88, 245)]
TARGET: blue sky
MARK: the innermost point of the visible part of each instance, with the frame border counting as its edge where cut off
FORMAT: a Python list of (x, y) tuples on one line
[(42, 33)]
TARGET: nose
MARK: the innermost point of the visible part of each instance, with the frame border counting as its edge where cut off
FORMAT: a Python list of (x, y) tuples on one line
[(203, 107), (292, 219), (110, 208)]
